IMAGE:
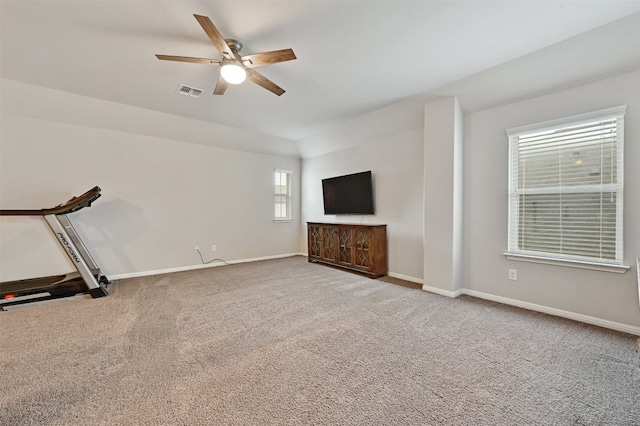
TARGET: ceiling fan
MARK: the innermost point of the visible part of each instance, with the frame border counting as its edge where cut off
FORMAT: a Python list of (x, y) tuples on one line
[(235, 68)]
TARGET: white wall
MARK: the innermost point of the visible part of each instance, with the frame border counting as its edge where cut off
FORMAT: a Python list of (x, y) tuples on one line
[(396, 164), (603, 295), (604, 298), (164, 195), (160, 196)]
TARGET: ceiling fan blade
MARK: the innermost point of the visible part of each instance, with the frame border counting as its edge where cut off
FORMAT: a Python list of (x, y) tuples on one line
[(263, 81), (215, 36), (268, 58), (188, 59), (221, 86)]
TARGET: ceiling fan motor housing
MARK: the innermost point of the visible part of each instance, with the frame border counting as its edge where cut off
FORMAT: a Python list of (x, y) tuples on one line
[(234, 45)]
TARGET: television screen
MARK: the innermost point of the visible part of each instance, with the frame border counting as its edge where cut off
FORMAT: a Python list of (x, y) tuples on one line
[(348, 194)]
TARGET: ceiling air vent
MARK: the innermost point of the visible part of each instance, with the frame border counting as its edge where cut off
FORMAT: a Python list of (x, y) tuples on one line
[(189, 91)]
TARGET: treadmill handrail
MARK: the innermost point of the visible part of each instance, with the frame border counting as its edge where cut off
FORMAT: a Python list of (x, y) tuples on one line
[(73, 205)]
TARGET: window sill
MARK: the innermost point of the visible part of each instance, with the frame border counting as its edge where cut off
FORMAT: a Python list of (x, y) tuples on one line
[(282, 220), (596, 266)]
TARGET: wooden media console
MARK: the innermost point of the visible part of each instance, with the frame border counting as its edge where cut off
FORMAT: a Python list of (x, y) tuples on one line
[(359, 247)]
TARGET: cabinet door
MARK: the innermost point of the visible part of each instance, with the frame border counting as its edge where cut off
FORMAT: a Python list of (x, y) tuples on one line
[(345, 246), (363, 258), (314, 237), (328, 249)]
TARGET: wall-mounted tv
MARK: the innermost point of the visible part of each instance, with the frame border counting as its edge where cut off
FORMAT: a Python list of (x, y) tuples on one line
[(348, 194)]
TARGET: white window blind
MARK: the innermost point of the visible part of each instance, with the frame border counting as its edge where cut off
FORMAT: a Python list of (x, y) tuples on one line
[(566, 188), (282, 195)]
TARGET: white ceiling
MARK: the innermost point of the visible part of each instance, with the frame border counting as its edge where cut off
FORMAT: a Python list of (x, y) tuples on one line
[(353, 56)]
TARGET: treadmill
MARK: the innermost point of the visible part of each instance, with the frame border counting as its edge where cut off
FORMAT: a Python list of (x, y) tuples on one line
[(87, 277)]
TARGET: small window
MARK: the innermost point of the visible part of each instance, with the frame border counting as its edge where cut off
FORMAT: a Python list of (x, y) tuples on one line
[(282, 195), (565, 188)]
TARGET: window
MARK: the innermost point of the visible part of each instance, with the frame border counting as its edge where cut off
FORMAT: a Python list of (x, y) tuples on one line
[(565, 189), (283, 195)]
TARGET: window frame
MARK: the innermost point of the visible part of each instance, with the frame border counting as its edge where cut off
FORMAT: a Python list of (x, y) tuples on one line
[(514, 252), (287, 195)]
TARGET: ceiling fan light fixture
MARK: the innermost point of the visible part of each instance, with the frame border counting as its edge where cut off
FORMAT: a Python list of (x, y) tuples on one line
[(235, 68), (233, 72)]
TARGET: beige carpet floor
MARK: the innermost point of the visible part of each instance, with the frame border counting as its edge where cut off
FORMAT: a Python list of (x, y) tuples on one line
[(285, 342)]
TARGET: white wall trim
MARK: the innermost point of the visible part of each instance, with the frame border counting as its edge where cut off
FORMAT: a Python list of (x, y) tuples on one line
[(625, 328), (595, 266), (405, 277), (557, 312), (436, 290), (603, 114), (193, 267)]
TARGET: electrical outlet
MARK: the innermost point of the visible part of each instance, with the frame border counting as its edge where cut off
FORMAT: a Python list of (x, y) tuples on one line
[(214, 248), (513, 274), (197, 249)]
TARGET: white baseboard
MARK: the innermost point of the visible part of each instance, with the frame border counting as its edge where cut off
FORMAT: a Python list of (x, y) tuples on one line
[(442, 292), (625, 328), (193, 267)]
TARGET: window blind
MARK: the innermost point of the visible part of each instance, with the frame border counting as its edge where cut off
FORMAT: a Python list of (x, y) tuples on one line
[(282, 194), (566, 186)]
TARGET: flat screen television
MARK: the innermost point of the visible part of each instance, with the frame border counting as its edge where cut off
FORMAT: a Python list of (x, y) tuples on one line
[(348, 194)]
